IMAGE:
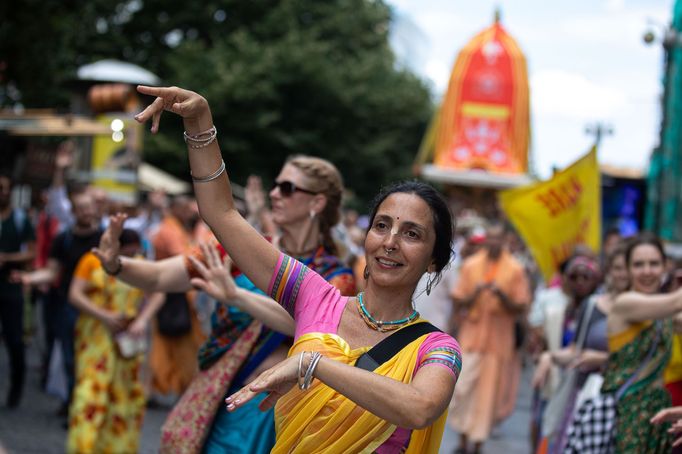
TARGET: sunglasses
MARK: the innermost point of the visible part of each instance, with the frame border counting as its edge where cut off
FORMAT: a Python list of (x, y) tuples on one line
[(580, 277), (287, 188)]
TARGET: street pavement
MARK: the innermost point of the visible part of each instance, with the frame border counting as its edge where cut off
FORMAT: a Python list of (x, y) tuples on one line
[(510, 437), (34, 428)]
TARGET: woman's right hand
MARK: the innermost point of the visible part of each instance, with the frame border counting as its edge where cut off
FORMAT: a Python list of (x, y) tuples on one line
[(276, 381), (114, 322), (254, 195), (108, 250), (216, 279), (189, 105), (542, 370)]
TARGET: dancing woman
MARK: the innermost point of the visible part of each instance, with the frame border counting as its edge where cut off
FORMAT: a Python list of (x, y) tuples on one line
[(399, 405)]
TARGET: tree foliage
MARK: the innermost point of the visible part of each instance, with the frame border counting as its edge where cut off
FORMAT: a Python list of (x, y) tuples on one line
[(282, 77)]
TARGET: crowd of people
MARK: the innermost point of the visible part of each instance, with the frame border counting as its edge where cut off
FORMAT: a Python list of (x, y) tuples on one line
[(287, 327)]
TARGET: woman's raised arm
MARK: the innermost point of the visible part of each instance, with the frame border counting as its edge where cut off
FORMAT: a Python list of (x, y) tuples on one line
[(638, 307), (252, 253)]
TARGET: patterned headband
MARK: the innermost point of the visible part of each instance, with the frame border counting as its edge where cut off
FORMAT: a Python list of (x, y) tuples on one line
[(586, 262)]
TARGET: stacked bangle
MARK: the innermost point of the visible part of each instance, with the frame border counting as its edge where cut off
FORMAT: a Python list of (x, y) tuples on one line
[(202, 139), (212, 176), (308, 376), (301, 374)]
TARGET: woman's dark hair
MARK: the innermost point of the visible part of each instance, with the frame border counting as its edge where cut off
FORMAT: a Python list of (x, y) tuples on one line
[(442, 218), (643, 238)]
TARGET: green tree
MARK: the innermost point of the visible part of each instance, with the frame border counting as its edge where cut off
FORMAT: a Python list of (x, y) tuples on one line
[(282, 77)]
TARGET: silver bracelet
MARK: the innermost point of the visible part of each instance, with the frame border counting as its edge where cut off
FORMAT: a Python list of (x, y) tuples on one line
[(300, 371), (212, 176), (311, 369)]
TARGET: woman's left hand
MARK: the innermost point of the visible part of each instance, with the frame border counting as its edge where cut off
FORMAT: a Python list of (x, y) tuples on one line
[(276, 381), (216, 279)]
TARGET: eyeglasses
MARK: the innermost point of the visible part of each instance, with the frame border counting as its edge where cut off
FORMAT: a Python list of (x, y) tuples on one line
[(287, 188)]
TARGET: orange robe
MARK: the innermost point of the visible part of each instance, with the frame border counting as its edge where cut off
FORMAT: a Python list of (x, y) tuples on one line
[(173, 360), (491, 369)]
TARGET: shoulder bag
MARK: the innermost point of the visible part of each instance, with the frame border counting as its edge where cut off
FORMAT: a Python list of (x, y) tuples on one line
[(556, 407), (391, 346)]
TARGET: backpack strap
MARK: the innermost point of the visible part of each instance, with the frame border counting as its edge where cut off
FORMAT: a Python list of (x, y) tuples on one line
[(392, 345)]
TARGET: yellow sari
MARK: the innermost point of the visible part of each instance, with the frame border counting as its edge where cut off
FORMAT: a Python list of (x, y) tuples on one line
[(321, 420)]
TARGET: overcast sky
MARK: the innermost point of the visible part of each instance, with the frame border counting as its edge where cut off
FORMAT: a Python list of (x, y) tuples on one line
[(587, 62)]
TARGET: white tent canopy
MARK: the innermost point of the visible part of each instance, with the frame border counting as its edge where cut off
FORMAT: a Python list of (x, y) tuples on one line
[(152, 178), (117, 71)]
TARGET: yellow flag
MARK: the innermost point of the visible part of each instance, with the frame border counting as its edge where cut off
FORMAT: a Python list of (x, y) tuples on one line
[(553, 216)]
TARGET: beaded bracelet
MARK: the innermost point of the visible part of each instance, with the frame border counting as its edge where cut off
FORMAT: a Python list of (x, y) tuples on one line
[(202, 141), (212, 176), (203, 145), (199, 137)]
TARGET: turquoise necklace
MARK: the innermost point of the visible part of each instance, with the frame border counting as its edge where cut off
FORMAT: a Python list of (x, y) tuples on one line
[(380, 325)]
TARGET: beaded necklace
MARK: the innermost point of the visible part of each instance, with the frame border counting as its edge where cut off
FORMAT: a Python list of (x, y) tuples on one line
[(380, 325)]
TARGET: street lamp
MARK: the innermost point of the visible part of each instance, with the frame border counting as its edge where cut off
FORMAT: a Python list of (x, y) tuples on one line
[(668, 36), (598, 130)]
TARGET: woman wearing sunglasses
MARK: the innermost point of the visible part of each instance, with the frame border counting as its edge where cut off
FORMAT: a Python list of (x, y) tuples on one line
[(305, 201), (393, 404)]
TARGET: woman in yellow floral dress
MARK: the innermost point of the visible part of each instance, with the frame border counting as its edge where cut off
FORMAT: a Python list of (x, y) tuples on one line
[(108, 400)]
